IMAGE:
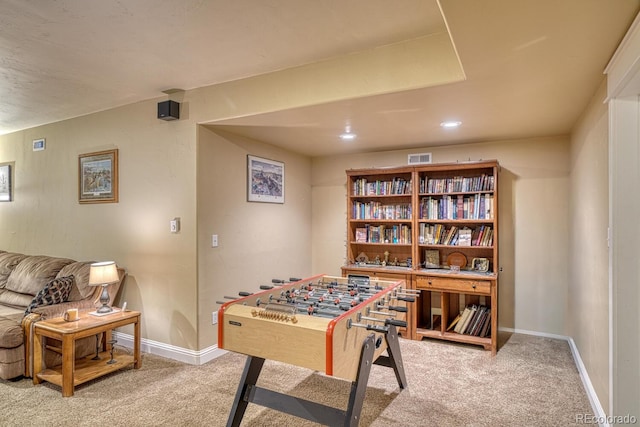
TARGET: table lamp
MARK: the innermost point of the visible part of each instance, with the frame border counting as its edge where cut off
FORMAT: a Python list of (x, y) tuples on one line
[(103, 274)]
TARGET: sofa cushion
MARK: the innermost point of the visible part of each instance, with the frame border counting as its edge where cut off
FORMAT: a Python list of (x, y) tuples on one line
[(33, 272), (80, 271), (54, 292), (8, 262), (15, 299), (11, 334)]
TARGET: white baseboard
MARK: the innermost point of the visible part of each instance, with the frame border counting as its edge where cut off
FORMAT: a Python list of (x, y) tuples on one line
[(598, 411), (192, 357)]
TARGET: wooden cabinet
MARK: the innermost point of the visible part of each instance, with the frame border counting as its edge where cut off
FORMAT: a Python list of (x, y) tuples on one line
[(436, 226), (443, 299)]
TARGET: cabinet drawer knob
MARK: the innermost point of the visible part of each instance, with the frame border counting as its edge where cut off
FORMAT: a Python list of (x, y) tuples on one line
[(473, 286), (429, 282)]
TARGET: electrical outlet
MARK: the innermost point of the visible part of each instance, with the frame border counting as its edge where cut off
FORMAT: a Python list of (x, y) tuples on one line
[(214, 318), (214, 240)]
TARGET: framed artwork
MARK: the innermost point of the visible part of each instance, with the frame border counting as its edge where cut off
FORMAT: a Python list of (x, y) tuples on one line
[(265, 180), (480, 264), (98, 177), (432, 258), (39, 144), (5, 183)]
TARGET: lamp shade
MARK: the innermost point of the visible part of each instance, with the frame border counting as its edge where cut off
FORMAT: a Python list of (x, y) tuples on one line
[(103, 273)]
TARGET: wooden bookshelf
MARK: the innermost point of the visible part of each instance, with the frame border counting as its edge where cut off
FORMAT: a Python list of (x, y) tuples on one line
[(421, 223)]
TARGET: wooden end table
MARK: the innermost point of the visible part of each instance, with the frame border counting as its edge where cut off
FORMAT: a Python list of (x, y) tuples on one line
[(73, 372)]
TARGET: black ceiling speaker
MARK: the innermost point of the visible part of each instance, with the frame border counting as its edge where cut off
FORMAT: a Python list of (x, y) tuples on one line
[(168, 110)]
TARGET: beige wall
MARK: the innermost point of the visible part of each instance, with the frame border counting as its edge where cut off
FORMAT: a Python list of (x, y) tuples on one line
[(534, 190), (157, 173), (257, 241), (588, 307)]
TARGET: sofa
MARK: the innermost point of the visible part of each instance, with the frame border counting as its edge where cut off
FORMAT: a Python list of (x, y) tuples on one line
[(36, 287)]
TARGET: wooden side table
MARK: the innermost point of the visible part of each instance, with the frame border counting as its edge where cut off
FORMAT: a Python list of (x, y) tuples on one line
[(74, 372)]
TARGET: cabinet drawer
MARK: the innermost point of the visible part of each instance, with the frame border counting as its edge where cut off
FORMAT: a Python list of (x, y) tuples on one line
[(458, 285)]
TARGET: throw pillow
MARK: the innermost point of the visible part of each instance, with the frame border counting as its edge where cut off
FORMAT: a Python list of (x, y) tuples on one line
[(54, 292)]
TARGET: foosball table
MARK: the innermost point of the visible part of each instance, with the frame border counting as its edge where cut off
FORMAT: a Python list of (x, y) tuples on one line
[(336, 325)]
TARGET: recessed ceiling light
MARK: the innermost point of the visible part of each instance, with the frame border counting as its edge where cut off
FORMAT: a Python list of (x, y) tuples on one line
[(347, 135), (450, 124)]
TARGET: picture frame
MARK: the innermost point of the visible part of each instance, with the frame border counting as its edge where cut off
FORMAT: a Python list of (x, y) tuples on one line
[(265, 180), (432, 258), (480, 264), (38, 144), (98, 177), (6, 189)]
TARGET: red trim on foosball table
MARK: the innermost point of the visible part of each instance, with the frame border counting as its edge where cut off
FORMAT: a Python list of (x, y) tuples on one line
[(220, 325)]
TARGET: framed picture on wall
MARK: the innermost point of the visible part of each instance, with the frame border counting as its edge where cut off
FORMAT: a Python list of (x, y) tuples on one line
[(265, 180), (98, 177), (5, 183)]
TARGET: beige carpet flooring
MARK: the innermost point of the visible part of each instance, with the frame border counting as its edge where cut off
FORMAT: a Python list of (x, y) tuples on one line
[(532, 381)]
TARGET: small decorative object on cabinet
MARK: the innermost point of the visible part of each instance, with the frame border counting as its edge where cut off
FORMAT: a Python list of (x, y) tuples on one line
[(440, 222)]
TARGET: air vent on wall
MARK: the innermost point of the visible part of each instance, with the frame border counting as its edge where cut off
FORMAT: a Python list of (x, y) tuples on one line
[(419, 159)]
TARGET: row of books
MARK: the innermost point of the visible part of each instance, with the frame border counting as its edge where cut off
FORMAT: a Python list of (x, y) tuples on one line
[(478, 206), (363, 187), (457, 184), (376, 210), (440, 234), (474, 320), (400, 234)]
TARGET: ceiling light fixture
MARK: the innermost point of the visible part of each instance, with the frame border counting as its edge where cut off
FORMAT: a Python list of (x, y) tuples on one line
[(347, 135), (450, 124)]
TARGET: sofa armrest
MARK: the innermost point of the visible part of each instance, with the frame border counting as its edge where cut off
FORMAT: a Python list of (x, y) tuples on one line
[(27, 326), (57, 310)]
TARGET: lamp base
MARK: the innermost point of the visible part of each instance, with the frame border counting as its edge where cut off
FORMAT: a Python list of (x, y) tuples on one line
[(104, 309), (104, 299)]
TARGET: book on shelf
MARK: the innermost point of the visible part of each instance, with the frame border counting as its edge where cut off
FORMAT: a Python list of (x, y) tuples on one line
[(450, 235), (477, 206), (486, 328), (454, 322), (457, 184), (472, 313), (363, 187), (361, 235), (463, 320), (464, 236), (473, 323), (486, 318), (476, 322)]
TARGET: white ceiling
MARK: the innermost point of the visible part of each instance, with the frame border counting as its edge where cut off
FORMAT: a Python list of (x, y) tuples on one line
[(531, 65)]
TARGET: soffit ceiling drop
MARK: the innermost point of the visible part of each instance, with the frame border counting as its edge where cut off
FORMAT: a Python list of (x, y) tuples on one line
[(530, 67)]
